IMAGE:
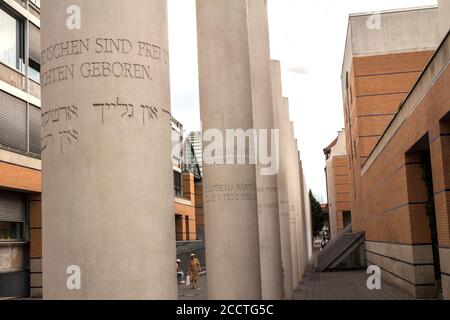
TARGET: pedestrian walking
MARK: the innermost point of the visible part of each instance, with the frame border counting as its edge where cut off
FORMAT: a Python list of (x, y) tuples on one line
[(194, 270)]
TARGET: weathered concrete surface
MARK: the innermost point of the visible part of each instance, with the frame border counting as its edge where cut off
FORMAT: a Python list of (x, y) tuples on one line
[(293, 201), (299, 196), (280, 117), (304, 201), (444, 17), (266, 181), (291, 193), (365, 41), (106, 145), (231, 217), (308, 221)]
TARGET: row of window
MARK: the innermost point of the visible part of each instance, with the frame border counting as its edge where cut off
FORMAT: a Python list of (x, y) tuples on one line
[(12, 44), (20, 125)]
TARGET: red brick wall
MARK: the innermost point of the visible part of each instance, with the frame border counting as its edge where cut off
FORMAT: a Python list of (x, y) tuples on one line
[(19, 178), (377, 86), (391, 207), (341, 172)]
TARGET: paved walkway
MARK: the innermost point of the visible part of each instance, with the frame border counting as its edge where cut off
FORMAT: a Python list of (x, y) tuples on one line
[(187, 293), (346, 285)]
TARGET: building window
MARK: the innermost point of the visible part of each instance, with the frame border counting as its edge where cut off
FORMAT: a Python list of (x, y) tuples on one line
[(188, 232), (13, 122), (34, 61), (11, 41), (11, 231), (179, 227), (14, 132), (34, 71), (177, 184), (13, 209)]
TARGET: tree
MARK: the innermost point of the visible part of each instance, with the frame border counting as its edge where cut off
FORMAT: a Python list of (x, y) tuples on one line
[(318, 216)]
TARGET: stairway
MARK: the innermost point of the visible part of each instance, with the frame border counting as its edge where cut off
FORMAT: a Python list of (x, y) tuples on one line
[(345, 252)]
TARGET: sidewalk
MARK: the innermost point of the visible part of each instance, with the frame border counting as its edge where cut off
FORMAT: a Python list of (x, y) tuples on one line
[(187, 293), (346, 285)]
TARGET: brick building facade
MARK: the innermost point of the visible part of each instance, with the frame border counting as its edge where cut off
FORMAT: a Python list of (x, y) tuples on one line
[(395, 85), (337, 174)]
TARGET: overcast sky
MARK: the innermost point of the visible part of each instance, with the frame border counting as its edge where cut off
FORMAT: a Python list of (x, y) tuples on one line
[(308, 37)]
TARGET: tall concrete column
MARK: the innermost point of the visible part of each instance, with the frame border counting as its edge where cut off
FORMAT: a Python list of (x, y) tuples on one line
[(291, 193), (298, 194), (308, 220), (293, 207), (108, 230), (444, 17), (296, 189), (303, 214), (280, 117), (230, 197), (266, 179)]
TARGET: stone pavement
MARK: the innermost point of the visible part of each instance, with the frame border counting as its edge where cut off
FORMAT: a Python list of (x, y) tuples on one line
[(187, 293), (346, 285)]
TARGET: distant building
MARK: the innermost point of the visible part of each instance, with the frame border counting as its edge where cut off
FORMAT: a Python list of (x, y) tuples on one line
[(337, 174), (192, 147), (184, 188), (191, 163), (195, 138)]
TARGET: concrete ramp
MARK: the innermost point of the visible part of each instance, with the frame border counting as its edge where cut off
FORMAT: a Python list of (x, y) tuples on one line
[(344, 253)]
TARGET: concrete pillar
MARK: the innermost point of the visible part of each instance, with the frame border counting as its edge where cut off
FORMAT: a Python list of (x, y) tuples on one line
[(293, 202), (230, 200), (107, 173), (298, 204), (444, 17), (280, 117), (266, 180), (292, 195), (308, 220), (303, 214)]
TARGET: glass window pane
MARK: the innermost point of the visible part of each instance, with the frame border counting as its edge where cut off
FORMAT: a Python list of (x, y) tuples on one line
[(8, 39), (177, 184), (34, 74), (34, 43), (13, 122), (35, 130), (34, 71), (11, 231)]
